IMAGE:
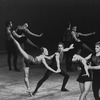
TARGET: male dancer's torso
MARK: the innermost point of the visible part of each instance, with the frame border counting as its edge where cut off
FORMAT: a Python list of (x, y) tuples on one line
[(53, 64), (95, 61)]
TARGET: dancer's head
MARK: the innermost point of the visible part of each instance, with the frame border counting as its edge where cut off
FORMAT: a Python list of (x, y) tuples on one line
[(60, 47), (97, 47), (74, 28), (44, 51), (8, 24)]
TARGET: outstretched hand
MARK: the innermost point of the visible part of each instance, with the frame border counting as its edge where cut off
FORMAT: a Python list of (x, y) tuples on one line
[(58, 71), (71, 46), (93, 32), (86, 75), (41, 34)]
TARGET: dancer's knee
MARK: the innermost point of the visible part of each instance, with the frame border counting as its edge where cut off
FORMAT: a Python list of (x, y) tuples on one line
[(25, 79), (44, 78)]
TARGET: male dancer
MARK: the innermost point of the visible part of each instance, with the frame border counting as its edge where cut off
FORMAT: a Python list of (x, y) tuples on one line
[(11, 49), (94, 59), (56, 63)]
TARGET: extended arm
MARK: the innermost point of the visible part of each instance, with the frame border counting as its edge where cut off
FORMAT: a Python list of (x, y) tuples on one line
[(32, 34), (95, 67), (32, 44), (88, 57), (88, 34), (16, 35), (70, 47), (49, 57)]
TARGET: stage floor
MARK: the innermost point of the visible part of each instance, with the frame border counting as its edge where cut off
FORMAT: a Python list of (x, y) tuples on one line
[(12, 86)]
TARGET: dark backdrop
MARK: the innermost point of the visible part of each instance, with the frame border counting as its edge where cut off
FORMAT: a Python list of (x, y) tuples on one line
[(51, 17)]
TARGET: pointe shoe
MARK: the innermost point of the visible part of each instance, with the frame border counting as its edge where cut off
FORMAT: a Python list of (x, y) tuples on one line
[(29, 92)]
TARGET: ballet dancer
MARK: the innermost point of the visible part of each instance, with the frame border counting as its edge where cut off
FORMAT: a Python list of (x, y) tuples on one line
[(85, 76), (21, 35)]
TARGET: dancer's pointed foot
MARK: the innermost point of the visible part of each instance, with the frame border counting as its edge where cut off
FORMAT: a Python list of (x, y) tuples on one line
[(29, 92), (33, 93)]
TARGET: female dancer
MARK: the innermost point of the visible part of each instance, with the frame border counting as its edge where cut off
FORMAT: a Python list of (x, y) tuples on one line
[(37, 60), (83, 61), (22, 36), (85, 77)]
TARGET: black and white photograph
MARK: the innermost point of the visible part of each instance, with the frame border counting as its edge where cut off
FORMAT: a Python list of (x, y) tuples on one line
[(49, 50)]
